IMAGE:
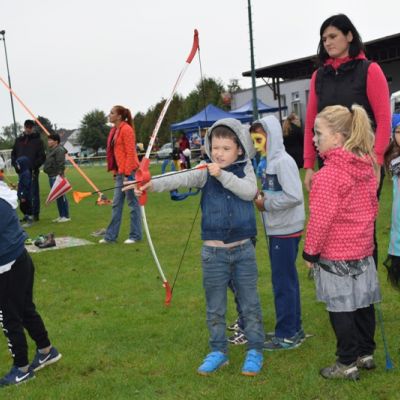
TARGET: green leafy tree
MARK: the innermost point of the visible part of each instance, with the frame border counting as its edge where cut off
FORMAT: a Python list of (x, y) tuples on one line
[(138, 122), (145, 123), (46, 123), (233, 86), (7, 136), (207, 91), (94, 130)]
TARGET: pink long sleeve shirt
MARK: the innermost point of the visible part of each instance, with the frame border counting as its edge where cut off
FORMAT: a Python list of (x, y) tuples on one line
[(378, 97)]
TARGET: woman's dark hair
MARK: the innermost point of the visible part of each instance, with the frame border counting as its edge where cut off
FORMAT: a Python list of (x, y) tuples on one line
[(125, 114), (343, 23)]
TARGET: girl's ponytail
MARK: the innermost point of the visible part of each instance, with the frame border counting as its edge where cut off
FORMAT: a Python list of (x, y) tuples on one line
[(361, 139), (355, 127), (125, 114)]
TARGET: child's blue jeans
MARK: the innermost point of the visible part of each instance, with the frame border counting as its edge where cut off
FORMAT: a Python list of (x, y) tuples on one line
[(220, 265), (285, 282), (62, 202)]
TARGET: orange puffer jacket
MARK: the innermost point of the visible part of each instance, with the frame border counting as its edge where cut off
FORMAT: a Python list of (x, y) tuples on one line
[(123, 141)]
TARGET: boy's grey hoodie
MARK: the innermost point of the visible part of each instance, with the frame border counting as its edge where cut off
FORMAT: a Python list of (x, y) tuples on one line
[(282, 187), (245, 188)]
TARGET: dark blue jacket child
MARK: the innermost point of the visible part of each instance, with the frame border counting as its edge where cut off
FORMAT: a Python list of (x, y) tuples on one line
[(17, 309), (23, 167)]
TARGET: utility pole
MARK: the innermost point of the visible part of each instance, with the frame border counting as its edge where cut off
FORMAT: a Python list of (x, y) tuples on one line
[(3, 33), (253, 72)]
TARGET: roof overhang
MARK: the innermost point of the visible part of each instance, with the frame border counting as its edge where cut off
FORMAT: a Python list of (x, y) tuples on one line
[(383, 50)]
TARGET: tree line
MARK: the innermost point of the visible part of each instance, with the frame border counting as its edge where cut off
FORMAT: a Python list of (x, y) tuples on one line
[(94, 129)]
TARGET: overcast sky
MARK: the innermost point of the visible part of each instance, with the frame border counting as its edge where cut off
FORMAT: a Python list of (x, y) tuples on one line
[(67, 58)]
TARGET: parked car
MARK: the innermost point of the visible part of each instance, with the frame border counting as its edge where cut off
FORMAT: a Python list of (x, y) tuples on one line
[(164, 152)]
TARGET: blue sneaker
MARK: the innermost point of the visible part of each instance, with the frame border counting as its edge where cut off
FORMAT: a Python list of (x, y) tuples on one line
[(16, 376), (253, 363), (276, 343), (213, 361), (300, 335), (41, 360)]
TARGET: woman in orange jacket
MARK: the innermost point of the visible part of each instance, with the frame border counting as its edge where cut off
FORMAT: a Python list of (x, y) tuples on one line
[(123, 161)]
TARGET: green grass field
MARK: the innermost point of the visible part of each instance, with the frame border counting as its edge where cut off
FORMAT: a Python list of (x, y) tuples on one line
[(103, 307)]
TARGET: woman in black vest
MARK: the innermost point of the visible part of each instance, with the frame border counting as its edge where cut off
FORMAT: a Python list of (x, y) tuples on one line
[(346, 77)]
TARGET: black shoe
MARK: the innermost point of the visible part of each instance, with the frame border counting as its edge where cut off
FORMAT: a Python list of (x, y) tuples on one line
[(36, 217), (39, 240), (49, 242)]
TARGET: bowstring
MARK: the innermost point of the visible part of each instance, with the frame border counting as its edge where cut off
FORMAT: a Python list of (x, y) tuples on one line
[(198, 207)]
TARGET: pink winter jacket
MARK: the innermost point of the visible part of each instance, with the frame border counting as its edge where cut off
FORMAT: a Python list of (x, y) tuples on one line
[(343, 207)]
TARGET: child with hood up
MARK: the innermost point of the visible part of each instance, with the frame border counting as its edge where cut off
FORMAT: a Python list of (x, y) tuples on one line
[(23, 167), (228, 224), (282, 206)]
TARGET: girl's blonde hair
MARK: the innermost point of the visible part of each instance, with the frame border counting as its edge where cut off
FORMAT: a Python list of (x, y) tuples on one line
[(354, 125)]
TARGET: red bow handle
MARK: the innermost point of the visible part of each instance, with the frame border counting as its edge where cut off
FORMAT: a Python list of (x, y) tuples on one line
[(142, 175)]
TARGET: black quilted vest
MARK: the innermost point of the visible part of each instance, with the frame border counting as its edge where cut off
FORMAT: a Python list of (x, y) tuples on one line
[(345, 86)]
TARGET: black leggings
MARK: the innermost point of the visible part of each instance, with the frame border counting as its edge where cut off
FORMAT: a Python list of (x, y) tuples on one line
[(354, 333), (17, 310)]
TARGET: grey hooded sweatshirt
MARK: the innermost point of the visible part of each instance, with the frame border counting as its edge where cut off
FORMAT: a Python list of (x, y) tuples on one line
[(282, 187), (245, 188), (227, 209)]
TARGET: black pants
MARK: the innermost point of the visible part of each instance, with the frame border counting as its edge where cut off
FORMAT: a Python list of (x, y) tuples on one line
[(354, 333), (17, 310)]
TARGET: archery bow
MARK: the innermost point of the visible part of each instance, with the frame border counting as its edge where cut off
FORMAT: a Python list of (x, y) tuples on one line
[(143, 174)]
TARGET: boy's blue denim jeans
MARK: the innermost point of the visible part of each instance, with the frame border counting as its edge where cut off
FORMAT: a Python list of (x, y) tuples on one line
[(220, 265), (112, 231), (62, 202)]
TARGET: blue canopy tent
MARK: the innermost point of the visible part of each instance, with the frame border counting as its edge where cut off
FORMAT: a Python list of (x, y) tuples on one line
[(247, 108), (205, 118)]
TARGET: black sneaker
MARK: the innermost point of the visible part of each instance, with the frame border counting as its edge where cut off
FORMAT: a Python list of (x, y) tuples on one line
[(49, 242), (28, 222), (234, 327), (276, 343), (238, 338), (39, 240), (341, 371), (16, 376), (41, 360)]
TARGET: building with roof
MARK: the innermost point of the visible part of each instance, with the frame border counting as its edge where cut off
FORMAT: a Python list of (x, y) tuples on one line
[(287, 83)]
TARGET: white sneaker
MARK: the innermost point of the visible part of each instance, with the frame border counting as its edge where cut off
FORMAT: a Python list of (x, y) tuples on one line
[(56, 220), (104, 241), (129, 241), (64, 219)]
